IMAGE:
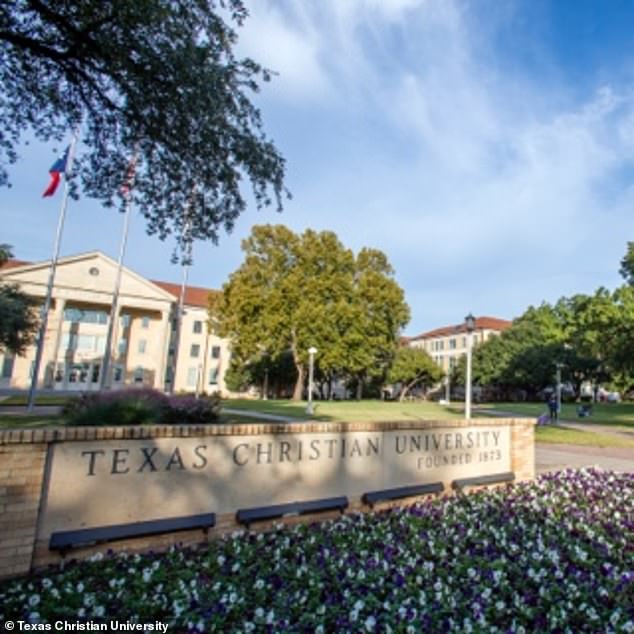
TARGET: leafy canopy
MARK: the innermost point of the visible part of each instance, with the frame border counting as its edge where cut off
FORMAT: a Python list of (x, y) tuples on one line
[(411, 367), (297, 291), (18, 316), (153, 78)]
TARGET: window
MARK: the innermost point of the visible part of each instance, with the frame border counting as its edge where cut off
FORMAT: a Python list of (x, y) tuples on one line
[(452, 344), (145, 322), (79, 315), (123, 346), (194, 351), (464, 342), (100, 344), (7, 368), (198, 327), (69, 341), (215, 352), (213, 376), (138, 374), (85, 342), (142, 346), (125, 321), (192, 376), (117, 374)]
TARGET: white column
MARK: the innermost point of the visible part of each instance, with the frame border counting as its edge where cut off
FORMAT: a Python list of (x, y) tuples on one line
[(60, 305), (165, 336), (467, 408)]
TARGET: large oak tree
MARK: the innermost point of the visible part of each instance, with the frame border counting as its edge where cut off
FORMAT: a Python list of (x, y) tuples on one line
[(155, 78), (297, 291)]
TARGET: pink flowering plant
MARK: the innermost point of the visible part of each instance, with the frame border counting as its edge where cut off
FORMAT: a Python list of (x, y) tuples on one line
[(553, 555)]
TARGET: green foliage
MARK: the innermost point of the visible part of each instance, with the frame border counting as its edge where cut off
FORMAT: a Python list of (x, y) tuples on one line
[(627, 264), (18, 314), (238, 377), (590, 336), (297, 291), (152, 78), (411, 367)]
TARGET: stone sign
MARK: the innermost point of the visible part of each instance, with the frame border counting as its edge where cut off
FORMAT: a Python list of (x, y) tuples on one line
[(96, 483)]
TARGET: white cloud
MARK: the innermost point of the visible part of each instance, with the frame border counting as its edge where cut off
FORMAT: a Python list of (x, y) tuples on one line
[(496, 172)]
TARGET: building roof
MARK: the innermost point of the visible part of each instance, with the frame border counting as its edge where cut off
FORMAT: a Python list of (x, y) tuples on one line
[(194, 295), (481, 323), (11, 264)]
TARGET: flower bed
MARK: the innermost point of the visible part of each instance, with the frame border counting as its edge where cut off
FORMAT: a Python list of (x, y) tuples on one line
[(554, 555)]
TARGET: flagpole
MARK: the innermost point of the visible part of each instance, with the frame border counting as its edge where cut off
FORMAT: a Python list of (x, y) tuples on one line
[(107, 358), (179, 323), (51, 277), (105, 383)]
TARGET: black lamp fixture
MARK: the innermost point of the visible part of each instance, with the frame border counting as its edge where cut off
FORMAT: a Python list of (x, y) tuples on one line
[(469, 322)]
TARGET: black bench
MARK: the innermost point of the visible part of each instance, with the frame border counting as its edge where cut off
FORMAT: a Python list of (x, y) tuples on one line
[(494, 478), (66, 540), (260, 513), (372, 497)]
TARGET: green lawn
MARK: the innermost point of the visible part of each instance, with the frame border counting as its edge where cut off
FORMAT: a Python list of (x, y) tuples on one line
[(619, 414), (351, 411), (45, 399), (9, 421), (552, 434)]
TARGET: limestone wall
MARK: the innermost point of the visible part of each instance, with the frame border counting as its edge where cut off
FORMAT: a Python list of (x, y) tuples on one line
[(73, 478)]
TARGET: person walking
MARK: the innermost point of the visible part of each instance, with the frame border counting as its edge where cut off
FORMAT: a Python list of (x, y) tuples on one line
[(552, 408)]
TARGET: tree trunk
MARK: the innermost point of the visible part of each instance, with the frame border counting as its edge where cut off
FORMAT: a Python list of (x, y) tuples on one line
[(359, 388), (299, 383)]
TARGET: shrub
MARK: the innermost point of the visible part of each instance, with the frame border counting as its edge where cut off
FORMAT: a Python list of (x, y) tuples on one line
[(126, 407), (185, 408), (140, 407)]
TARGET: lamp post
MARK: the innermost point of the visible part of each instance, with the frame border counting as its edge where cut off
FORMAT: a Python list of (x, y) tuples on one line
[(558, 366), (312, 351), (470, 327), (265, 387)]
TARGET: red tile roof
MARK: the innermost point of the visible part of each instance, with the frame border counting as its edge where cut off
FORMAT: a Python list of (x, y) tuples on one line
[(11, 264), (194, 295), (481, 323)]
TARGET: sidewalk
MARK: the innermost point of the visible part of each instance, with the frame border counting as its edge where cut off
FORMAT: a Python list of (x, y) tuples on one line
[(554, 456)]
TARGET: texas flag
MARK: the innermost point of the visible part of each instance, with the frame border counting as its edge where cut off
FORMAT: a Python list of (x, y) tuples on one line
[(58, 168)]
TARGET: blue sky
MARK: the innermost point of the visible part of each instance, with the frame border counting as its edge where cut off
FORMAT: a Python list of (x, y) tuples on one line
[(486, 147)]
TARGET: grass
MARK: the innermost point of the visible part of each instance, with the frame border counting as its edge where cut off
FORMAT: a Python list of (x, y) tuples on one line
[(568, 436), (351, 411), (617, 414), (45, 399), (9, 421)]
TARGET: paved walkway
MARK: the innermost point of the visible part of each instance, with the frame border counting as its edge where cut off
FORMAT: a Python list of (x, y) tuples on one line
[(554, 456), (259, 415)]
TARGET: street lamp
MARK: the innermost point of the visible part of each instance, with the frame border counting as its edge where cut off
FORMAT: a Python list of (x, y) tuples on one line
[(469, 323), (265, 388), (312, 351), (558, 379)]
